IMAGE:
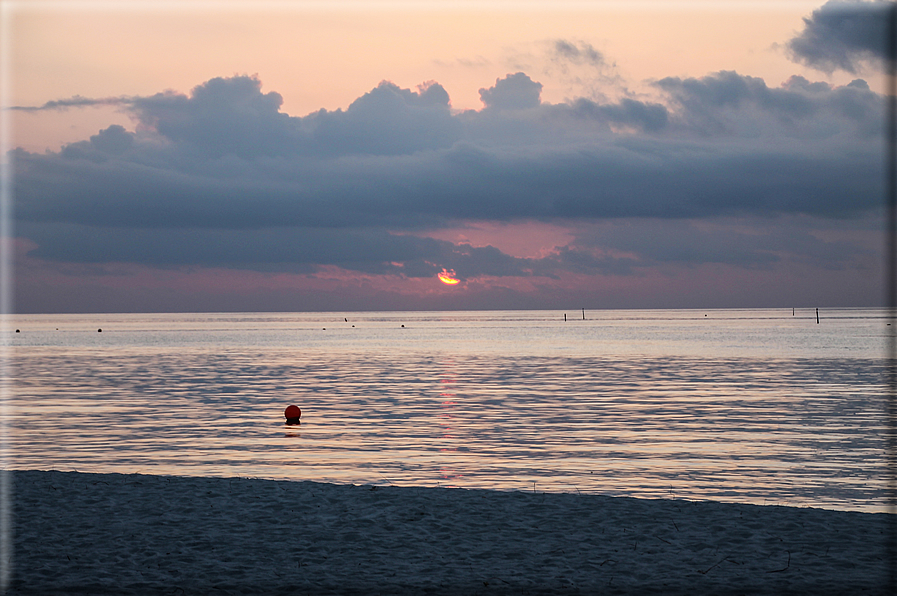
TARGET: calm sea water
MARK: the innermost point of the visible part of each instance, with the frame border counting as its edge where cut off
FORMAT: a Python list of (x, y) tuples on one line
[(757, 406)]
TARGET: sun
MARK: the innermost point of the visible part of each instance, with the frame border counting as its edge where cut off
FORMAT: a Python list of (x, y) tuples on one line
[(448, 277)]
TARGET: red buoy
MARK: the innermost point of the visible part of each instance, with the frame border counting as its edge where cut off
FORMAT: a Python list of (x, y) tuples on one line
[(292, 414)]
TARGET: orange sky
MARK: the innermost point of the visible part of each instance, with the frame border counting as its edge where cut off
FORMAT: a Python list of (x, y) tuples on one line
[(325, 56)]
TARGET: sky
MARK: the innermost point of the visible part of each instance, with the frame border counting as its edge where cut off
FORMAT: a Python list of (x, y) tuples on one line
[(361, 155)]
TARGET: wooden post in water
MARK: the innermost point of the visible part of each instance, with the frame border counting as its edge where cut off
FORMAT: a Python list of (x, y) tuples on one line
[(565, 317), (817, 316), (583, 314)]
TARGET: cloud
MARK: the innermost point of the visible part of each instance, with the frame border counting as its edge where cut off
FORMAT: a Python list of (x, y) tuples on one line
[(644, 116), (387, 120), (275, 248), (74, 102), (843, 35), (221, 177), (583, 69), (514, 92), (222, 116), (630, 177), (726, 103), (577, 53), (747, 242), (114, 140)]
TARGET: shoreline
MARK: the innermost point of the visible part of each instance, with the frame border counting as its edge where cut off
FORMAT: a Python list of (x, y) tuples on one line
[(91, 533)]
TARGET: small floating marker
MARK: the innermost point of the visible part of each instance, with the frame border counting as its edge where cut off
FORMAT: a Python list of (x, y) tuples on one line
[(99, 330), (17, 331), (346, 320), (403, 326), (292, 414)]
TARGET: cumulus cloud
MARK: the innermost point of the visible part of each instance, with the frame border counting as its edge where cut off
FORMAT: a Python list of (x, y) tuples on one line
[(222, 116), (387, 120), (843, 35), (514, 92), (731, 104), (222, 177)]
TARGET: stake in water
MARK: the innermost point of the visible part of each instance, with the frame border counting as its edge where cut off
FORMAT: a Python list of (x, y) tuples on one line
[(755, 406)]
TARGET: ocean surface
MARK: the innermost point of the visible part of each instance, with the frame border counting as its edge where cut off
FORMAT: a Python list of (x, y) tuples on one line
[(755, 406)]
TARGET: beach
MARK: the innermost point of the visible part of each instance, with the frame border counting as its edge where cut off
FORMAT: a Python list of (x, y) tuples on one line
[(84, 533)]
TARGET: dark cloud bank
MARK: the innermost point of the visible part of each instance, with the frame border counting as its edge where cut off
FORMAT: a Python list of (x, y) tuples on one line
[(221, 177), (844, 36)]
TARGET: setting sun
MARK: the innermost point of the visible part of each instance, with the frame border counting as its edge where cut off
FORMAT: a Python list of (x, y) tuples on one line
[(448, 277)]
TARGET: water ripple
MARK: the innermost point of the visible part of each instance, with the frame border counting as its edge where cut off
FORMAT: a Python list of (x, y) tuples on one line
[(796, 431)]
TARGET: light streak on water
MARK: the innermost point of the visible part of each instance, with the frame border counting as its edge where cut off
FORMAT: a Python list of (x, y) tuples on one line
[(753, 406)]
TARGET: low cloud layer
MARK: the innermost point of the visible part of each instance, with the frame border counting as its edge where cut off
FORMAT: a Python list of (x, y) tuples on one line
[(720, 170), (397, 155)]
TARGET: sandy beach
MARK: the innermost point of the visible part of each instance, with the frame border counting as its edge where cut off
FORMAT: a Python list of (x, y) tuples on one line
[(79, 533)]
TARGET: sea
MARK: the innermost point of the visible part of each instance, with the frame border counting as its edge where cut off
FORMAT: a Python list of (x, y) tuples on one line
[(763, 406)]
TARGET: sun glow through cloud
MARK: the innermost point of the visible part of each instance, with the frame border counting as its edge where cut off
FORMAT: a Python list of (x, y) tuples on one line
[(448, 277)]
